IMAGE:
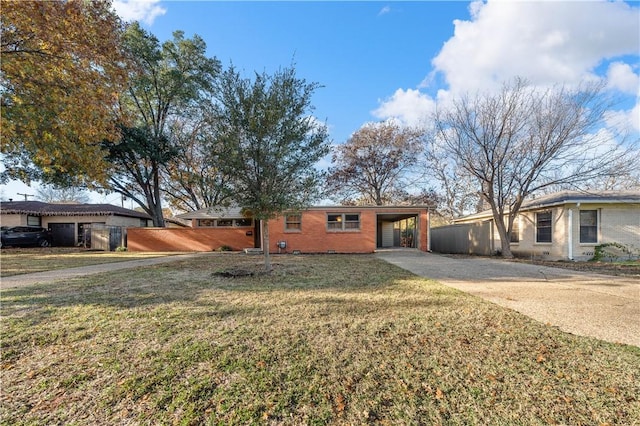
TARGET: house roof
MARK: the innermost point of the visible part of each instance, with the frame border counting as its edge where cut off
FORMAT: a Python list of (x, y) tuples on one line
[(236, 212), (569, 197), (214, 213), (38, 208)]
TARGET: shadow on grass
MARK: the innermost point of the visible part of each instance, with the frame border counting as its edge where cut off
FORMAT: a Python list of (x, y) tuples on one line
[(323, 281)]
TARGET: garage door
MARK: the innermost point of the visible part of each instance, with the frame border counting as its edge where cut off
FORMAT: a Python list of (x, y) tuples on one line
[(63, 234)]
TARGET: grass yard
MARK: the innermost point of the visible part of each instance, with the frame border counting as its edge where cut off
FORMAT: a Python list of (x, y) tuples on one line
[(323, 340), (15, 261)]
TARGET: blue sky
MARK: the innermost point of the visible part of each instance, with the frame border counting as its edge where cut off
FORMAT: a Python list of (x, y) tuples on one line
[(361, 52), (381, 60)]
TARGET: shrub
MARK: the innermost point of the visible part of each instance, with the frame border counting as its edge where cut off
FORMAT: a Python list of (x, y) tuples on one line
[(613, 251)]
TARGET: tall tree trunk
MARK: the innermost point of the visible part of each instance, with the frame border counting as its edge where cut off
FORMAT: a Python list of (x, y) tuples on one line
[(505, 237), (158, 216), (265, 245)]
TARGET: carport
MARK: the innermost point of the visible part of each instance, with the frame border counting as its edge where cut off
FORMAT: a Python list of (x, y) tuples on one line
[(397, 230)]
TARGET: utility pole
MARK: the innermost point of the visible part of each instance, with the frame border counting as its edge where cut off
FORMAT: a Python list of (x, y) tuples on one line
[(26, 195)]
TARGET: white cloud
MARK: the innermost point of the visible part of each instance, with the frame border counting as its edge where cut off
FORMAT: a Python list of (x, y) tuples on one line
[(384, 10), (139, 10), (409, 106), (625, 122), (621, 76), (546, 42)]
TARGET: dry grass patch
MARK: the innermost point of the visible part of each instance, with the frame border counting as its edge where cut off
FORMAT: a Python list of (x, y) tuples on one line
[(15, 261), (322, 340)]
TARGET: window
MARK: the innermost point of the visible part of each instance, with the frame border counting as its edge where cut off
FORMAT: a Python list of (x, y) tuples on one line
[(293, 222), (243, 222), (222, 222), (343, 221), (515, 230), (34, 221), (588, 226), (543, 227)]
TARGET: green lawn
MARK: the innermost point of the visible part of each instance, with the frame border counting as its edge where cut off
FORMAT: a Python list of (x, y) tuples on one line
[(325, 339), (15, 261)]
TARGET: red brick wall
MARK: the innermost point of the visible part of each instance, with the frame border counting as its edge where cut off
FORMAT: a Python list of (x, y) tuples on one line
[(423, 230), (315, 238), (187, 239)]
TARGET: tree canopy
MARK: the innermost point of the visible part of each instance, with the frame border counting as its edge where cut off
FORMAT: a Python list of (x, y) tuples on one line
[(272, 143), (62, 68), (166, 82), (372, 166)]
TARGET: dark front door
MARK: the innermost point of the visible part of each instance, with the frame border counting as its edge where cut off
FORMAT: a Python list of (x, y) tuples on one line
[(63, 234)]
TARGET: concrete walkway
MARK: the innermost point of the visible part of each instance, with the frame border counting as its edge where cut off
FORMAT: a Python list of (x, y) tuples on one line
[(65, 274), (601, 306)]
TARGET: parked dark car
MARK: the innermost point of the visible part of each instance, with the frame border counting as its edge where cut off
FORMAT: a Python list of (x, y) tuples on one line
[(25, 236)]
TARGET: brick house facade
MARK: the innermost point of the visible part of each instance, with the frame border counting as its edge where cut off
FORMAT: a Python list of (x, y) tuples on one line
[(335, 229)]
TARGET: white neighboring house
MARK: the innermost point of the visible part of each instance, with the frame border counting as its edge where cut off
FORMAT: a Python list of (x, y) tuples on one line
[(69, 223), (569, 225)]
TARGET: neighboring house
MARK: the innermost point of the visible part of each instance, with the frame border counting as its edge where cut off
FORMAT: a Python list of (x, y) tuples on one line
[(73, 224), (561, 226), (335, 229)]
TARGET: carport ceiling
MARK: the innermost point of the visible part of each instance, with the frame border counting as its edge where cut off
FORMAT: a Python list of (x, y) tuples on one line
[(395, 217)]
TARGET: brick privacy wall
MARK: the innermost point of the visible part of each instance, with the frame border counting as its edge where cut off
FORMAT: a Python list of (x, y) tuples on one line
[(187, 239)]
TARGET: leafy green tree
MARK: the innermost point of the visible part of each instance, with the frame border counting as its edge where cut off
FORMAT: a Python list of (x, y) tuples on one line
[(61, 70), (166, 81), (272, 143)]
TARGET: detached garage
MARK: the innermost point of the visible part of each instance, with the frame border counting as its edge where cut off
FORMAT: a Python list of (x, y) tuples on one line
[(101, 226)]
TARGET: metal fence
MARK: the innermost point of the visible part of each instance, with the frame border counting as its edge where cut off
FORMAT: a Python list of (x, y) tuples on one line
[(465, 238)]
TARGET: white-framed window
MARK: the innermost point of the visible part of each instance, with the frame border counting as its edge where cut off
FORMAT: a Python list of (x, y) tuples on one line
[(343, 221), (293, 222), (588, 226), (543, 227)]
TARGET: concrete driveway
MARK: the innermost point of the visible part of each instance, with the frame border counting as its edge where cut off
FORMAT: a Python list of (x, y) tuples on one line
[(601, 306), (23, 280)]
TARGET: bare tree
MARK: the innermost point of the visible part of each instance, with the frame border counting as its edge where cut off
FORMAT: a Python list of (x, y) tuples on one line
[(54, 194), (373, 165), (522, 140), (194, 178), (459, 193)]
